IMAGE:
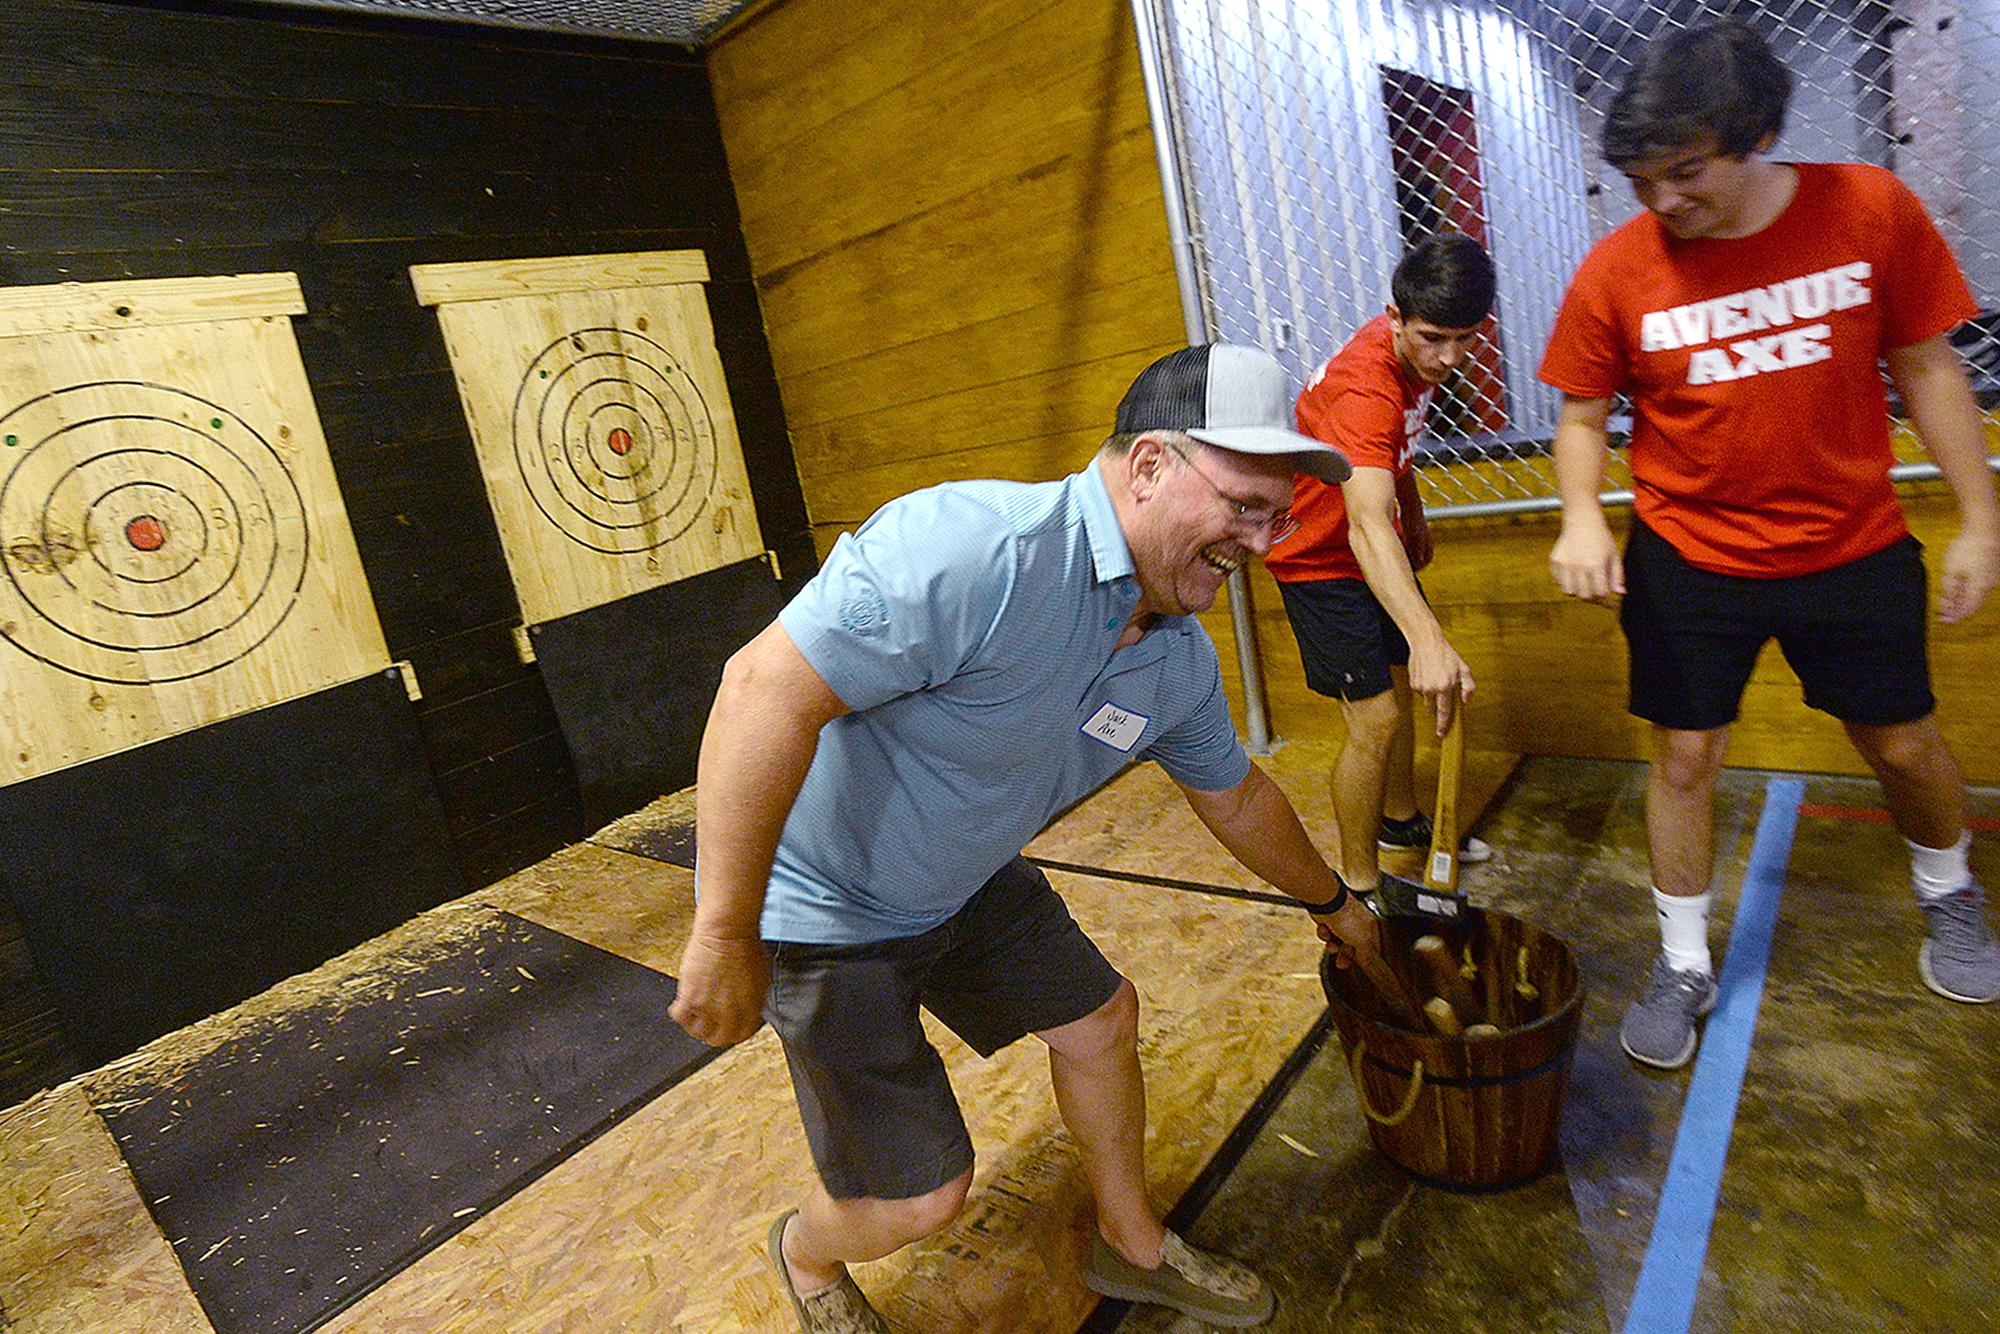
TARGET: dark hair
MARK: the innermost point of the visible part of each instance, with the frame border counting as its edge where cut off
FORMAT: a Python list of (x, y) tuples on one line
[(1719, 79), (1447, 281)]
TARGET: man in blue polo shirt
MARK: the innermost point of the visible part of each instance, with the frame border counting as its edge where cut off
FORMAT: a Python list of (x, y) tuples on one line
[(972, 661)]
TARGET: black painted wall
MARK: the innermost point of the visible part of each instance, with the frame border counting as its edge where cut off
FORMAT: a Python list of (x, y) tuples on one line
[(141, 141), (222, 860)]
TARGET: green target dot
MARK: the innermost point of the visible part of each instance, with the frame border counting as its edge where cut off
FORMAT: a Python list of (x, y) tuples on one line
[(215, 423), (545, 375), (13, 440)]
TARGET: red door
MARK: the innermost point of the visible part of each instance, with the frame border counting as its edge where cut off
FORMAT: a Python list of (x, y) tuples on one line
[(1434, 153)]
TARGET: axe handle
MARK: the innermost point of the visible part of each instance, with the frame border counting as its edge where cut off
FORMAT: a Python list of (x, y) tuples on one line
[(1441, 867), (1374, 989), (1437, 970), (1443, 1018)]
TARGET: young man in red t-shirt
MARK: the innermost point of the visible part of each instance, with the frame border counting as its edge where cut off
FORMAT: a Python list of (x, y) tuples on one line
[(1745, 313), (1348, 573)]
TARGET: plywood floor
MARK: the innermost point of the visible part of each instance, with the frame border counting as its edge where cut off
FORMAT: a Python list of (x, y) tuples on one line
[(659, 1223)]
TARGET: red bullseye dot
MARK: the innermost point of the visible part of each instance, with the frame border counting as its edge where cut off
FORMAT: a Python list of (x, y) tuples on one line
[(620, 441), (146, 533)]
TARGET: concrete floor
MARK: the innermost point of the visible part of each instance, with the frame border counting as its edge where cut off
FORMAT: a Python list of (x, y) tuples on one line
[(1861, 1192)]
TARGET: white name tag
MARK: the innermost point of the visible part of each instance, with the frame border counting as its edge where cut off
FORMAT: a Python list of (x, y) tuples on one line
[(1117, 728)]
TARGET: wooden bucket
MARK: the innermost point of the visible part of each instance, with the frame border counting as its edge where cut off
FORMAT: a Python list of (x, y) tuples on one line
[(1473, 1113)]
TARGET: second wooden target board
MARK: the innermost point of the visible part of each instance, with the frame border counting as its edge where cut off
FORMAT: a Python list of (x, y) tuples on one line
[(602, 419)]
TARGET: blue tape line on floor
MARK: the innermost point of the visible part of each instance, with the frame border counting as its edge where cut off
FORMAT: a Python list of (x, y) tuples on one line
[(1663, 1301)]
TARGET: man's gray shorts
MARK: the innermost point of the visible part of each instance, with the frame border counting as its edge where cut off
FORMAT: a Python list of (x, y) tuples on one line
[(878, 1110)]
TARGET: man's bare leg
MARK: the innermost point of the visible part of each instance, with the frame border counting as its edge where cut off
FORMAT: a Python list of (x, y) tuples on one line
[(1360, 773), (1920, 781), (1399, 781), (1680, 808), (1101, 1093), (829, 1234)]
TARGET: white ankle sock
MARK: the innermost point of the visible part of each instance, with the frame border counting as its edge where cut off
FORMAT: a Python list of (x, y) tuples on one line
[(1684, 930), (1936, 872)]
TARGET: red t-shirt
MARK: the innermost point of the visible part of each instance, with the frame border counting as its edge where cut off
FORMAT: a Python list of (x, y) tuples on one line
[(1366, 405), (1760, 435)]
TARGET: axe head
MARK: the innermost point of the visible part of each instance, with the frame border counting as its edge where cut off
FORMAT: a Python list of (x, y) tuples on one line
[(1398, 897)]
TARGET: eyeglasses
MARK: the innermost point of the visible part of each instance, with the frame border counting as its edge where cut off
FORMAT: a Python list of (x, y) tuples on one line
[(1247, 517)]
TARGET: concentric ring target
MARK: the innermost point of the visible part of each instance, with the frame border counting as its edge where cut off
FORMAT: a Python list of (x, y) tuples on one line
[(614, 440), (146, 534)]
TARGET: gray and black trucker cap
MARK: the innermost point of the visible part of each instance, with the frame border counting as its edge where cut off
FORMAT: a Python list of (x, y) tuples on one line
[(1232, 397)]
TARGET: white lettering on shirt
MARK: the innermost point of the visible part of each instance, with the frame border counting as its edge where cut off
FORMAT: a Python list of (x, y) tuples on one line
[(1775, 352), (1413, 426), (1725, 318)]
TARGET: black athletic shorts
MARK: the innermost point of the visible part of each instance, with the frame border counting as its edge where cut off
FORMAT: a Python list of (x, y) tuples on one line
[(878, 1110), (1854, 634), (1346, 640)]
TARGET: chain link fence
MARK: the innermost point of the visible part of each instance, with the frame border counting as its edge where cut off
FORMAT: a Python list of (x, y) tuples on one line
[(688, 22), (1318, 140)]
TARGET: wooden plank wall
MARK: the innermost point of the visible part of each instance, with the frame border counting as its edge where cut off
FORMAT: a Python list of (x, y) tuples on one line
[(955, 220), (1551, 670), (954, 217), (143, 141)]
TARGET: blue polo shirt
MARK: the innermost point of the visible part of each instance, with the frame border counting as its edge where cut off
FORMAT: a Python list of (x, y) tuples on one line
[(972, 629)]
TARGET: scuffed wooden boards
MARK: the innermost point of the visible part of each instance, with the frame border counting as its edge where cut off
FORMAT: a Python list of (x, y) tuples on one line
[(660, 1223), (80, 1250), (173, 542), (602, 419)]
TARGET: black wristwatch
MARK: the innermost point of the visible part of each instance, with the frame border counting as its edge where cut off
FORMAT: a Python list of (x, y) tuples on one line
[(1334, 904)]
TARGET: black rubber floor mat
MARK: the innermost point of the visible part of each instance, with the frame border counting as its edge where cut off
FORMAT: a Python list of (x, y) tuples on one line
[(296, 1168), (665, 838)]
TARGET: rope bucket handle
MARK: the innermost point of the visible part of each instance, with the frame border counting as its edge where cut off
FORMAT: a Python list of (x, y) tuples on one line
[(1361, 1091)]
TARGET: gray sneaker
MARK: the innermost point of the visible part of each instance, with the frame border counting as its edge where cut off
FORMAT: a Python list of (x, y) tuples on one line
[(1211, 1288), (1961, 959), (1659, 1026)]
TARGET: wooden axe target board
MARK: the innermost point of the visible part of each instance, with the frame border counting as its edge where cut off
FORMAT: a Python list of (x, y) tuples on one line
[(173, 546), (602, 420)]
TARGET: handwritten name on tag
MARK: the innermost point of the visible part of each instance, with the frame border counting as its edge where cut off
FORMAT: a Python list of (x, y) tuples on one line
[(1117, 728)]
